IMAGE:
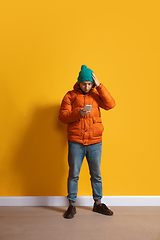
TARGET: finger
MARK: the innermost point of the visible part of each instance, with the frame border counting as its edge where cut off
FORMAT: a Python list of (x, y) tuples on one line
[(94, 78), (87, 112)]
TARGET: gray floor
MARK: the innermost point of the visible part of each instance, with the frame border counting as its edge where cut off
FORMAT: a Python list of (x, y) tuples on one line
[(40, 223)]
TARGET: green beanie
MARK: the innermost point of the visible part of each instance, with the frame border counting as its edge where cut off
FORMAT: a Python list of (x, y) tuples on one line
[(85, 74)]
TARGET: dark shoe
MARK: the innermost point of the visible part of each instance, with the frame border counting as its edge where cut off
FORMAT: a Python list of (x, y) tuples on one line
[(102, 208), (71, 211)]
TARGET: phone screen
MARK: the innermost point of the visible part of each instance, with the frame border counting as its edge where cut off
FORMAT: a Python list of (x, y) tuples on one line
[(88, 107)]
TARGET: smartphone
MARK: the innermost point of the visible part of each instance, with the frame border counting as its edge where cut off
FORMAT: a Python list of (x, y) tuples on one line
[(88, 107)]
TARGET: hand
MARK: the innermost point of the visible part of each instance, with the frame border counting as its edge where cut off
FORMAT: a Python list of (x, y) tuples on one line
[(83, 112), (96, 82)]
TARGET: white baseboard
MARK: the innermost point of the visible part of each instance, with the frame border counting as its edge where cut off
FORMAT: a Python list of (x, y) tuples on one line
[(81, 201)]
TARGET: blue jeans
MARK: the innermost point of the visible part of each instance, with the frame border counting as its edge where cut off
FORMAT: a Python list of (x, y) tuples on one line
[(76, 154)]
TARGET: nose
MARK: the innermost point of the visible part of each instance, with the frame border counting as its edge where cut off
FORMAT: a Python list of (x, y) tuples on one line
[(86, 87)]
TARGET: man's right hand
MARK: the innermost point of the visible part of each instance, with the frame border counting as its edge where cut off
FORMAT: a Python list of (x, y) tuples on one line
[(83, 112)]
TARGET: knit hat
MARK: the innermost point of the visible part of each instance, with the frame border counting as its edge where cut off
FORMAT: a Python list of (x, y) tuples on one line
[(85, 74)]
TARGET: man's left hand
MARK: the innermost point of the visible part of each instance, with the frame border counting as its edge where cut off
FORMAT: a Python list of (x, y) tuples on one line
[(96, 82)]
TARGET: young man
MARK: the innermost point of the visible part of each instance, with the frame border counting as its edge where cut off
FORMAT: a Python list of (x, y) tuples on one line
[(84, 127)]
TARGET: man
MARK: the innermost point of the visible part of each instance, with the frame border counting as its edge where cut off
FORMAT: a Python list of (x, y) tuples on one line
[(84, 127)]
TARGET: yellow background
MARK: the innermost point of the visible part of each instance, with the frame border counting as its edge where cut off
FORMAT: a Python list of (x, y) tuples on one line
[(42, 47)]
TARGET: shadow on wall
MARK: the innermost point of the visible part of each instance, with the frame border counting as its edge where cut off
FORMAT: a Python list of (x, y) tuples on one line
[(41, 159)]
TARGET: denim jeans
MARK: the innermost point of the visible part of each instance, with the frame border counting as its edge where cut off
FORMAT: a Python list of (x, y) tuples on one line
[(76, 154)]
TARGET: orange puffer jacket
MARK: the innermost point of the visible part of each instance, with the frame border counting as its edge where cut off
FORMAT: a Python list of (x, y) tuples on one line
[(88, 129)]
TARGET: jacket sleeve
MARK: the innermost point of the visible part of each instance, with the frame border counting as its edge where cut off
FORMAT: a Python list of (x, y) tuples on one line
[(106, 101), (66, 114)]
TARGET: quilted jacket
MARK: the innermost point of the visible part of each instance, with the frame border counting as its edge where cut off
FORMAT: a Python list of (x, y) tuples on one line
[(88, 129)]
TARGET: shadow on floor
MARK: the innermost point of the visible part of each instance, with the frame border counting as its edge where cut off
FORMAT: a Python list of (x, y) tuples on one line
[(57, 209), (88, 208)]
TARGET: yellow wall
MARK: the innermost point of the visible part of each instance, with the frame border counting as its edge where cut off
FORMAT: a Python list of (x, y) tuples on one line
[(43, 44)]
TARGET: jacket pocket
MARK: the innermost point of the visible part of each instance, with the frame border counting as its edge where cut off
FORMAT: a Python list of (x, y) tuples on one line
[(97, 127), (74, 128)]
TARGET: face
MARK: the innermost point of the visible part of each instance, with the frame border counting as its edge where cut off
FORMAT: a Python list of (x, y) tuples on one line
[(86, 86)]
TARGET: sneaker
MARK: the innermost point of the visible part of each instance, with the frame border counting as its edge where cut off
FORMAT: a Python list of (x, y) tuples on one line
[(102, 208), (71, 211)]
